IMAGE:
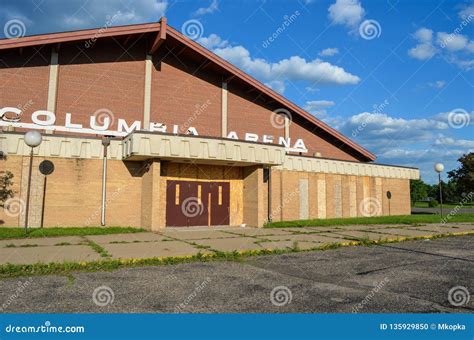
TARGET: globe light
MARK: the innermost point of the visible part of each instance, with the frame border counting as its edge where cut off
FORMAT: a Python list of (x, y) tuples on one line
[(439, 167), (33, 138)]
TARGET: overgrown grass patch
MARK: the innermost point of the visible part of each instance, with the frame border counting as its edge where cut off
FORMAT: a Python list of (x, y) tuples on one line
[(8, 233), (402, 219)]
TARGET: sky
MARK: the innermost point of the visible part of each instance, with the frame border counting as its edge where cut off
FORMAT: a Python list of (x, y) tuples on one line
[(396, 76)]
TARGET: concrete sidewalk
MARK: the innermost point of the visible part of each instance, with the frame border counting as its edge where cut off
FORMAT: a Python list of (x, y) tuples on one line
[(191, 241)]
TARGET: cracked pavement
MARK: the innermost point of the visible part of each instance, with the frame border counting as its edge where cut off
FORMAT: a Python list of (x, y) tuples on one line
[(408, 277)]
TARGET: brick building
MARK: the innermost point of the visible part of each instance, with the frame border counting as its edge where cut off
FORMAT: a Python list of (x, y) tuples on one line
[(194, 141)]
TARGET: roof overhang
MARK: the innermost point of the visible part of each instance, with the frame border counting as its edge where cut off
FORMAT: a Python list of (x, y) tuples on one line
[(97, 33), (145, 145)]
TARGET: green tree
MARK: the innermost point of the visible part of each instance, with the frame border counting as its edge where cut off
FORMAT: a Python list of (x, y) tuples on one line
[(5, 186), (418, 190), (463, 177)]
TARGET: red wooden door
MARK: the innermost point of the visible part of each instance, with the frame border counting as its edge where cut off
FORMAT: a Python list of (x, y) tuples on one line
[(193, 203)]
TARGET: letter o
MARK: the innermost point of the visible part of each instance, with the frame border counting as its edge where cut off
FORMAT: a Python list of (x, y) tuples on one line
[(50, 117)]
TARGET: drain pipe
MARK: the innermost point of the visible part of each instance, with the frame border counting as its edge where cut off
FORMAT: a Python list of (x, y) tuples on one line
[(269, 194), (105, 143)]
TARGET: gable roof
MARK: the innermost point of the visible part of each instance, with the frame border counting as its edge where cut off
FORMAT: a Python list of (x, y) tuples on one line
[(162, 31)]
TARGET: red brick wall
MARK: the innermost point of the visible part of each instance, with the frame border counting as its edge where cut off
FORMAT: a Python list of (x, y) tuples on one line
[(104, 76), (246, 113), (185, 95), (315, 143), (24, 80)]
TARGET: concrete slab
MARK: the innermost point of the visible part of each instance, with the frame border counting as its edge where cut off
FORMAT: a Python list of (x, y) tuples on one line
[(260, 231), (151, 249), (375, 226), (306, 238), (272, 245), (405, 232), (42, 241), (360, 234), (315, 229), (198, 234), (132, 237), (47, 254), (231, 244), (444, 228)]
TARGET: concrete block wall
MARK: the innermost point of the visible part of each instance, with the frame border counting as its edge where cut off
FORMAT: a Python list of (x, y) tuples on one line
[(332, 196)]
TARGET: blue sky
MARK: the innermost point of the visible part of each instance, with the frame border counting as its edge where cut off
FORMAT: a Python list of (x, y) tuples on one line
[(396, 76)]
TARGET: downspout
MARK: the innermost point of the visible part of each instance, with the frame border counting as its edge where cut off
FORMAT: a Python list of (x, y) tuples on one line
[(105, 143), (269, 195)]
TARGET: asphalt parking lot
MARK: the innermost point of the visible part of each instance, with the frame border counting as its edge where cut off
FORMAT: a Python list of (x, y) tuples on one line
[(412, 276)]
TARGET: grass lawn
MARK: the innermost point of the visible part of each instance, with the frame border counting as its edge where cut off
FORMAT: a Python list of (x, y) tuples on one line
[(445, 205), (7, 233), (404, 219)]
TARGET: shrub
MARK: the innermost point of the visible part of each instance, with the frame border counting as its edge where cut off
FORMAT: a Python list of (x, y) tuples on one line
[(433, 203)]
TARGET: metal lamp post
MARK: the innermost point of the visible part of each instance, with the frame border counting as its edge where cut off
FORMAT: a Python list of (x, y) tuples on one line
[(32, 139), (439, 169)]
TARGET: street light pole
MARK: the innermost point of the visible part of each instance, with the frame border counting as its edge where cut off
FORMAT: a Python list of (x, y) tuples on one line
[(32, 139), (439, 169), (28, 192), (440, 195)]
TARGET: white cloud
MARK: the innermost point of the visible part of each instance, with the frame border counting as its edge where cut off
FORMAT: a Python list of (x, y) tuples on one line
[(437, 84), (452, 45), (425, 49), (462, 143), (466, 13), (318, 107), (329, 52), (277, 85), (403, 141), (293, 68), (453, 42), (424, 35), (422, 51), (311, 89), (460, 113), (213, 6), (212, 41), (118, 13), (346, 12), (381, 125)]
